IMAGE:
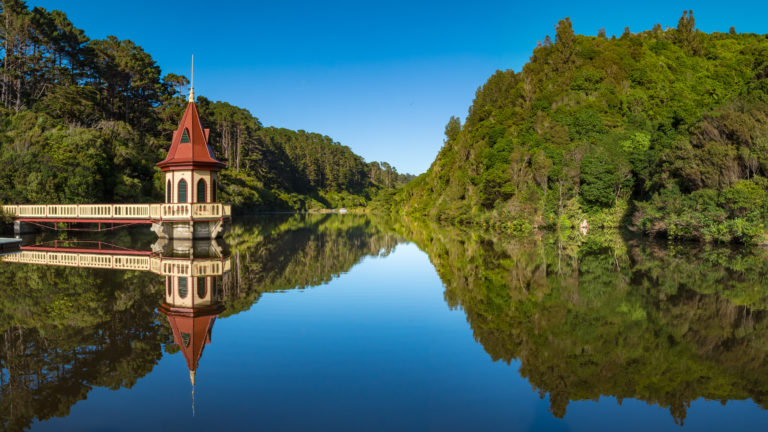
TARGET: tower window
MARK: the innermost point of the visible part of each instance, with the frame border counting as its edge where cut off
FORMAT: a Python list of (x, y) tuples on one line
[(185, 136), (201, 191), (201, 291), (182, 191), (168, 194), (183, 287), (185, 339)]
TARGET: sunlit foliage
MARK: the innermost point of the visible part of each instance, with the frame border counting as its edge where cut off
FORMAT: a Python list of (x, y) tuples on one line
[(670, 121)]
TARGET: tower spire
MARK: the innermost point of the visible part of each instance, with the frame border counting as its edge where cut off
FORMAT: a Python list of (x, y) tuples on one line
[(192, 378), (192, 81)]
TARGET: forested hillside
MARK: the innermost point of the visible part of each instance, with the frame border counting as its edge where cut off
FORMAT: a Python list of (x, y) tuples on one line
[(85, 120), (664, 131)]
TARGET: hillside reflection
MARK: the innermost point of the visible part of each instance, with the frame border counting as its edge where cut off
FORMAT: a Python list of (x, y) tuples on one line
[(609, 318), (301, 251)]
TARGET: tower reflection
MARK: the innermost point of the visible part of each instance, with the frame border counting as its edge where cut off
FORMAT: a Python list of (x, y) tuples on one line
[(193, 272), (193, 277)]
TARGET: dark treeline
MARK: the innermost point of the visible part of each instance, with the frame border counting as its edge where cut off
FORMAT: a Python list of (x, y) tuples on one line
[(85, 120), (662, 130)]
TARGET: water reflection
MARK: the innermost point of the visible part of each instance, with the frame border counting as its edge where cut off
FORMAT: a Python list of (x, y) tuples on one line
[(193, 271), (584, 318), (97, 327), (607, 317), (77, 314), (66, 330), (280, 253)]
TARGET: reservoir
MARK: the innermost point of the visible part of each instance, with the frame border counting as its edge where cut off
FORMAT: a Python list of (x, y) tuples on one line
[(349, 323)]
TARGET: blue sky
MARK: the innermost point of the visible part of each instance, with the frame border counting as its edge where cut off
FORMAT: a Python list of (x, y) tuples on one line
[(380, 77)]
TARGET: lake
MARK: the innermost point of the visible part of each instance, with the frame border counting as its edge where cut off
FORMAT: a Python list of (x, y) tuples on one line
[(346, 322)]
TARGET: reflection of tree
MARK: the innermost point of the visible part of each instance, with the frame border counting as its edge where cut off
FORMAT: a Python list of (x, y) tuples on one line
[(663, 325), (297, 251), (65, 330), (601, 317)]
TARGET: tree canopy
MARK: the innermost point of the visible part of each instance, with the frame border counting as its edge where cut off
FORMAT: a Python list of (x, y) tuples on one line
[(85, 120)]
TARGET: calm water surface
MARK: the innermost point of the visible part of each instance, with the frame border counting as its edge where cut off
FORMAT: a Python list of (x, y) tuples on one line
[(349, 323)]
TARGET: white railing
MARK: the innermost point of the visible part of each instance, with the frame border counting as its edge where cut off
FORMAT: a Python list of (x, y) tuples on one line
[(181, 211), (175, 268), (27, 257), (61, 211), (209, 210), (176, 212), (72, 259), (162, 266), (156, 265), (206, 268), (127, 262), (131, 211), (99, 211), (192, 268)]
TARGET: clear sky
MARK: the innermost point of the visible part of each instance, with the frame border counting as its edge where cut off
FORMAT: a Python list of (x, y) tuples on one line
[(380, 77)]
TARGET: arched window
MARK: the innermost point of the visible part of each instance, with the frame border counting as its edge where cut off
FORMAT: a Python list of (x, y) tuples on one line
[(182, 191), (168, 194), (201, 191), (168, 288), (183, 287), (201, 291), (213, 191), (185, 136)]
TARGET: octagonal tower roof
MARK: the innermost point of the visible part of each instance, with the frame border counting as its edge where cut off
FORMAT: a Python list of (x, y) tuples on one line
[(192, 328), (190, 148)]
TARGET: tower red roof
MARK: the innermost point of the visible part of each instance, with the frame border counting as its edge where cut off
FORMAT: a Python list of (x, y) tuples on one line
[(191, 329), (189, 147)]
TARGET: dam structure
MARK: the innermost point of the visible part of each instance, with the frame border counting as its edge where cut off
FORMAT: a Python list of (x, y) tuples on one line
[(191, 209)]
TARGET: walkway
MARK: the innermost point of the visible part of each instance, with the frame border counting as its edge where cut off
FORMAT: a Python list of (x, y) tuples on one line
[(118, 213)]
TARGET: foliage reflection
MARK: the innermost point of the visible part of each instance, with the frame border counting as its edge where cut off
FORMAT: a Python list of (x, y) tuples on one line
[(605, 317), (588, 318), (65, 330)]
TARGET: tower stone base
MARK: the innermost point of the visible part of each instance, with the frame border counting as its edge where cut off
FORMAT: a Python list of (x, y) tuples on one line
[(201, 248), (187, 230)]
